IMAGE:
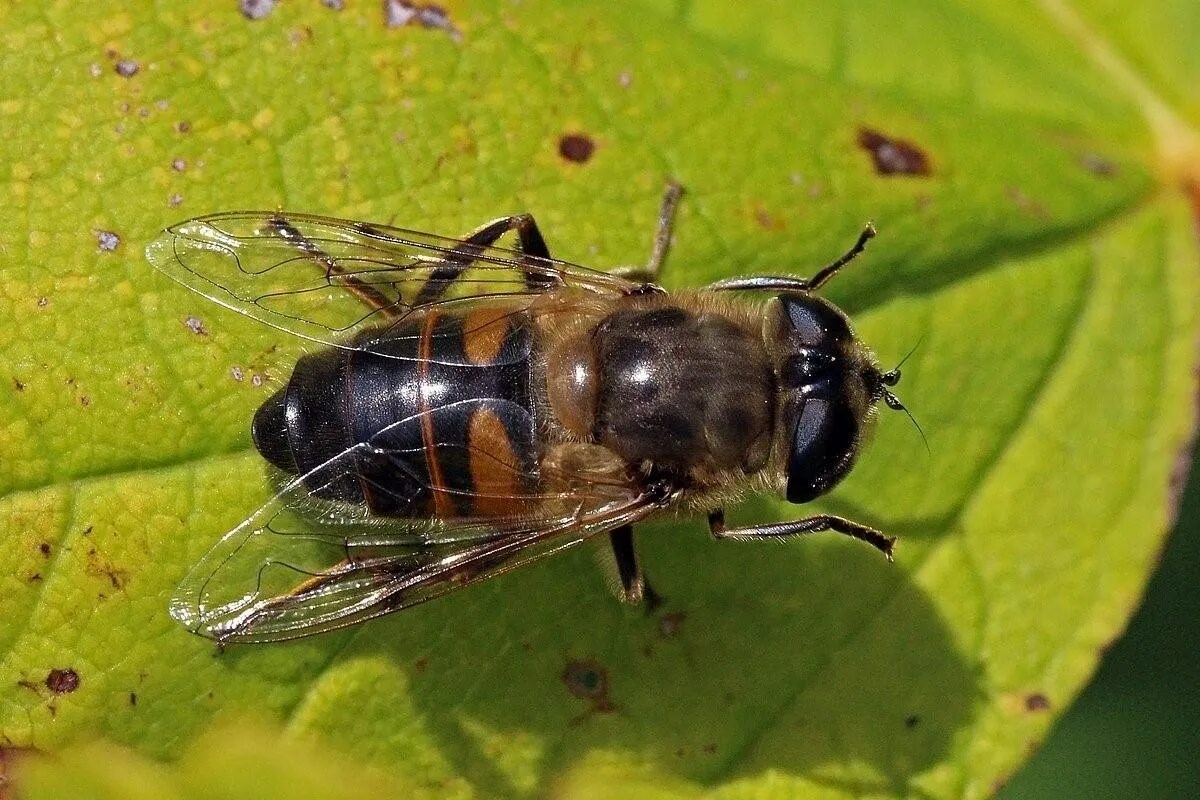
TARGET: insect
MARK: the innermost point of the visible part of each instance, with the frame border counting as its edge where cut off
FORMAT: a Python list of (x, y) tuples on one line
[(466, 409)]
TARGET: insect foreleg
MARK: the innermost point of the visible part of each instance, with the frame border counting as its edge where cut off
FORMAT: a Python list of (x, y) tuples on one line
[(786, 283), (801, 527), (457, 261), (662, 238)]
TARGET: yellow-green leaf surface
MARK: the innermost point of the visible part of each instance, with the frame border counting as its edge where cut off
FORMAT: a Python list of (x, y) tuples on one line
[(1042, 250)]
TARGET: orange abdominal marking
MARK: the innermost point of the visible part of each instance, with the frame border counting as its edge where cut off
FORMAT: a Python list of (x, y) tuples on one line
[(495, 469), (484, 331)]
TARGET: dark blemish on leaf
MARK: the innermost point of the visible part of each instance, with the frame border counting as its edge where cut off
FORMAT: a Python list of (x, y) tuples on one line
[(84, 400), (133, 699), (144, 112), (127, 67), (44, 548), (256, 9), (62, 681), (670, 624), (710, 748), (893, 156), (589, 680), (178, 164), (237, 374), (421, 664), (1098, 165), (20, 387), (183, 126), (175, 200), (680, 752), (35, 577), (576, 147), (43, 302), (196, 326), (107, 241), (1036, 701), (88, 530), (911, 721), (400, 13), (336, 5)]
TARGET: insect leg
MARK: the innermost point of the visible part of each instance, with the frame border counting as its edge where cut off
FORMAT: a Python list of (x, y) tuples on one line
[(457, 261), (632, 584), (371, 296), (662, 238), (800, 527), (790, 284)]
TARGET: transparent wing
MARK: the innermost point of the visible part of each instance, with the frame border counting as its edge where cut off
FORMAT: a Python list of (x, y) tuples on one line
[(302, 564), (325, 279)]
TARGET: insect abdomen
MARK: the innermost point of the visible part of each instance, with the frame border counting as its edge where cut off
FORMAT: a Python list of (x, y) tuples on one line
[(444, 403)]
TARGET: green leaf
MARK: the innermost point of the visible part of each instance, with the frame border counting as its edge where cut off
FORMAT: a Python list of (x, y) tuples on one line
[(1046, 264)]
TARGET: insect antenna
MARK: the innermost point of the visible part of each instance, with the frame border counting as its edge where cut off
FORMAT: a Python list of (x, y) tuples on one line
[(891, 378)]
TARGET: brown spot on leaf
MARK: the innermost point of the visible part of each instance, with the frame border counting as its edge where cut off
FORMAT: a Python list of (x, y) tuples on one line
[(1098, 165), (911, 721), (97, 567), (421, 664), (589, 680), (669, 625), (766, 220), (43, 302), (84, 400), (576, 147), (45, 549), (183, 126), (1026, 203), (62, 681), (20, 387), (133, 699), (893, 156), (196, 326), (710, 748), (1036, 701), (336, 5)]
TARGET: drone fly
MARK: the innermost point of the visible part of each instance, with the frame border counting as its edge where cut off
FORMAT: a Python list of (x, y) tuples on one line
[(467, 409)]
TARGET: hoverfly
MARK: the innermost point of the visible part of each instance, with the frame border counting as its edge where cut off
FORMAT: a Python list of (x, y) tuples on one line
[(469, 409)]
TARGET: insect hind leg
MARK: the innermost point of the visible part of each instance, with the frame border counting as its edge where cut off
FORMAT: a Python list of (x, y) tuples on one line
[(368, 294), (458, 260), (801, 527)]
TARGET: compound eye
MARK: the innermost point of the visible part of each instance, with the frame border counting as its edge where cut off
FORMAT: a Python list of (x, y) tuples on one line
[(814, 322), (823, 447)]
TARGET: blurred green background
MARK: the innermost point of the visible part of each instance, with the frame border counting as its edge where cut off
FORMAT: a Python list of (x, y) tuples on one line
[(1135, 730)]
